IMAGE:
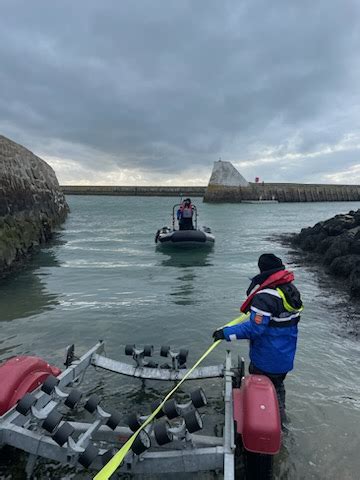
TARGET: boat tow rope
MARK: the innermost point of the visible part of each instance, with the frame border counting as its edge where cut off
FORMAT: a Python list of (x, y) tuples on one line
[(113, 464)]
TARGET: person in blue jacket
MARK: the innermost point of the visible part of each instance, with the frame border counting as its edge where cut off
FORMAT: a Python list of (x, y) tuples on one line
[(274, 305)]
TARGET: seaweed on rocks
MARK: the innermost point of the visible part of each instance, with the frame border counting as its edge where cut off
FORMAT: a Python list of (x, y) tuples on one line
[(338, 256), (336, 244), (32, 205)]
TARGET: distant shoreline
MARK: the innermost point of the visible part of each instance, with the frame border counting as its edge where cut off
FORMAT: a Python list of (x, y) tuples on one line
[(143, 191)]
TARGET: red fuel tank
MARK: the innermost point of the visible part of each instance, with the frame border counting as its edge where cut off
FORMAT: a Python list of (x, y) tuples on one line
[(257, 416), (20, 375)]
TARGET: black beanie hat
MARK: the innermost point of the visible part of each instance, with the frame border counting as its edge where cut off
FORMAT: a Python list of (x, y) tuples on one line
[(269, 261)]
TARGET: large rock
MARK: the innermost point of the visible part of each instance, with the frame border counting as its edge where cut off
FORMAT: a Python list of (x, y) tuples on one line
[(32, 205), (336, 242)]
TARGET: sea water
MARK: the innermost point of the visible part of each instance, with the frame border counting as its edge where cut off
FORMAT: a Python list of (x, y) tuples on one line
[(103, 278)]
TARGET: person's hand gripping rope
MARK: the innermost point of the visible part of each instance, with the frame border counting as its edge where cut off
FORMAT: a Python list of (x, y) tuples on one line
[(218, 334)]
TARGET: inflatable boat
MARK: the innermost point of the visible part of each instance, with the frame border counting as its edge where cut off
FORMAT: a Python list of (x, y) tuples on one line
[(185, 238)]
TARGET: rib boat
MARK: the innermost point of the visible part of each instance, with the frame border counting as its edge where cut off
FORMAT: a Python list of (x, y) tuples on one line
[(192, 238)]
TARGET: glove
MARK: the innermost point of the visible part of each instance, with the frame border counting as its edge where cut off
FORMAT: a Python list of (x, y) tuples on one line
[(218, 335)]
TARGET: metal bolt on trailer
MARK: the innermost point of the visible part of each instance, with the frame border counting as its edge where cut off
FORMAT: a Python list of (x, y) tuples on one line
[(165, 445)]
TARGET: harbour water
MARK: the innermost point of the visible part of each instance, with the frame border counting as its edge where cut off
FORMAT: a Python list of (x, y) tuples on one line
[(102, 278)]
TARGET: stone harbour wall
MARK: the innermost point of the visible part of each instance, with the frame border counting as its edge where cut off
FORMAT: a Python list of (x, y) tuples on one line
[(32, 204), (141, 191), (283, 192)]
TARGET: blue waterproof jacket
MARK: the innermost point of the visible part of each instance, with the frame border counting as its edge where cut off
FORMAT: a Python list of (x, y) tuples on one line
[(272, 331)]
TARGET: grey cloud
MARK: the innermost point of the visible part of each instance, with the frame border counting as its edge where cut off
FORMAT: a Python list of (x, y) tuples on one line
[(159, 85), (308, 169)]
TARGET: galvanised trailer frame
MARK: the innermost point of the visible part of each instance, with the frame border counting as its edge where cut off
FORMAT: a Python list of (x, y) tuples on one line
[(92, 444)]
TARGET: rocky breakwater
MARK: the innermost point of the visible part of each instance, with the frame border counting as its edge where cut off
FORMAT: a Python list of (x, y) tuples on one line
[(336, 242), (32, 205)]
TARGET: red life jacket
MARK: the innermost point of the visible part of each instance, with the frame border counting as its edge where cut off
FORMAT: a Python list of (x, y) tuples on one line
[(274, 280)]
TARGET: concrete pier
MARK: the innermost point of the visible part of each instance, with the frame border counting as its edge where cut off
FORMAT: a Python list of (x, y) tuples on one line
[(283, 192), (221, 188)]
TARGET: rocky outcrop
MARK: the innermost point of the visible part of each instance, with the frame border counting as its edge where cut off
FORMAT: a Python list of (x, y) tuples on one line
[(32, 205), (337, 243)]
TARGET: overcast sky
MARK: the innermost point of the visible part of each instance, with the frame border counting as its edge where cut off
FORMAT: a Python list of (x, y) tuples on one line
[(154, 91)]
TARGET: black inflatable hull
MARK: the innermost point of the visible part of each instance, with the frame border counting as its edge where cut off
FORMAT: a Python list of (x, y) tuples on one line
[(186, 238)]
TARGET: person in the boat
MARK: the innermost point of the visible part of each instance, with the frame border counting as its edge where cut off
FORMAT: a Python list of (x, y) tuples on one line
[(274, 305), (185, 215)]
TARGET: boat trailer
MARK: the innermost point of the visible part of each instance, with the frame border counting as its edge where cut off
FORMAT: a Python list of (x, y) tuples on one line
[(36, 398)]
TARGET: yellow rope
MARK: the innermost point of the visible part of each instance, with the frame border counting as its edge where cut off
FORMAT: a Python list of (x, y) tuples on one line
[(106, 472)]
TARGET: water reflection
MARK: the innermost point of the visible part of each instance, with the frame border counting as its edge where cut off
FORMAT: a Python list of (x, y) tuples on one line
[(24, 293), (186, 263), (184, 293), (187, 258)]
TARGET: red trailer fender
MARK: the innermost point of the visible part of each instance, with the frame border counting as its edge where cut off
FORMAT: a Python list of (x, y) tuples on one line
[(20, 375), (256, 413)]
